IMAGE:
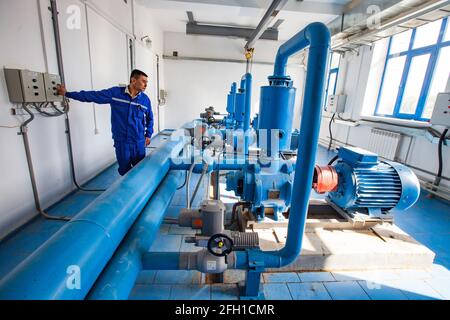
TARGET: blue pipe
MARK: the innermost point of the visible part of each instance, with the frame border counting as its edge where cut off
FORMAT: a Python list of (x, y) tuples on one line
[(119, 276), (215, 166), (242, 86), (317, 37), (81, 249), (231, 100), (248, 107), (161, 261)]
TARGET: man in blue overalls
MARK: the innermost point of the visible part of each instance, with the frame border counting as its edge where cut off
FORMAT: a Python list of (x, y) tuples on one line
[(131, 117)]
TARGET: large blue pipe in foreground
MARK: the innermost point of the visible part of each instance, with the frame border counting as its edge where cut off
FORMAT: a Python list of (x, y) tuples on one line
[(81, 249), (317, 37), (119, 276)]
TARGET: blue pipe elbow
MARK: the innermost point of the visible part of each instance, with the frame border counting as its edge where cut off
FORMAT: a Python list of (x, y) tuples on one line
[(315, 35)]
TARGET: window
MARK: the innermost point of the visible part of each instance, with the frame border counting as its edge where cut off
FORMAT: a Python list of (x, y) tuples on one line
[(416, 70), (332, 77)]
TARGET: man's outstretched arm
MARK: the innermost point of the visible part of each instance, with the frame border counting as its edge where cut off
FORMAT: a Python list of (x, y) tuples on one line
[(99, 97)]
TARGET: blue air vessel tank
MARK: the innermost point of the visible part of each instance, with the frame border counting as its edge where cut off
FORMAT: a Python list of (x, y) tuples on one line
[(240, 105), (277, 111), (231, 99)]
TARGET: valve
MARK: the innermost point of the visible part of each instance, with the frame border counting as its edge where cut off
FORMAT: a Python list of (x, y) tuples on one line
[(220, 245), (249, 53)]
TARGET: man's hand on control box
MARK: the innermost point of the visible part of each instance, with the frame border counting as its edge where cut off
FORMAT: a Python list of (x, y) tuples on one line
[(61, 90)]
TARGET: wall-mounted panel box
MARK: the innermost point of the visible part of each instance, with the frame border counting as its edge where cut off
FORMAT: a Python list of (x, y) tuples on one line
[(25, 86), (50, 82), (336, 103), (441, 112)]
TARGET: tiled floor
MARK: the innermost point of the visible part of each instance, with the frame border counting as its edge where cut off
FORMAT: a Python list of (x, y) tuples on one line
[(289, 286), (428, 222), (433, 283)]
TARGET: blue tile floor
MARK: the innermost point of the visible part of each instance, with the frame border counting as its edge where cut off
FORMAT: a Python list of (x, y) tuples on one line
[(428, 222)]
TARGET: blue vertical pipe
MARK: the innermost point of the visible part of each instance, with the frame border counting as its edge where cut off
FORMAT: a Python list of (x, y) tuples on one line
[(317, 37), (119, 276), (248, 109), (67, 265), (231, 100)]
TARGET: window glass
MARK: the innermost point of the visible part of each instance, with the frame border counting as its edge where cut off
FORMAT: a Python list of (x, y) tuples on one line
[(411, 55), (400, 42), (427, 34), (391, 82), (414, 83), (447, 33), (439, 81), (335, 60)]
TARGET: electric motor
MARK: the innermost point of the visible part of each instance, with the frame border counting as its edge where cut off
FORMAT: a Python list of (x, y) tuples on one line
[(360, 180)]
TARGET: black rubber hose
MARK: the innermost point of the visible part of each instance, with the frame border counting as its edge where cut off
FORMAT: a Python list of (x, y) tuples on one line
[(330, 131), (71, 161), (441, 143), (184, 183), (333, 160)]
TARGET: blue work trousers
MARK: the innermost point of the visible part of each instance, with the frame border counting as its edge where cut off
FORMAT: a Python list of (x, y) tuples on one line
[(129, 155)]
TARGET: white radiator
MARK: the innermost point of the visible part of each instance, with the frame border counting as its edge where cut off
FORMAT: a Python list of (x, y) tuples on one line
[(384, 143)]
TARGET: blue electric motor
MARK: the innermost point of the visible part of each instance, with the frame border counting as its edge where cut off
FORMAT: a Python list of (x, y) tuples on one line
[(365, 182)]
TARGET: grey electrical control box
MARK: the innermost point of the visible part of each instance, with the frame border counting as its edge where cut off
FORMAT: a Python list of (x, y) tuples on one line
[(50, 82), (25, 86), (441, 112), (336, 103)]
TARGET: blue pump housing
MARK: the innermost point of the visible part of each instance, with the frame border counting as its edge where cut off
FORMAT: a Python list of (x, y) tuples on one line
[(365, 182), (267, 186)]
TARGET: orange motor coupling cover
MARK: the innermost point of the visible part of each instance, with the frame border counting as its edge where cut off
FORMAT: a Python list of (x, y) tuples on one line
[(325, 179)]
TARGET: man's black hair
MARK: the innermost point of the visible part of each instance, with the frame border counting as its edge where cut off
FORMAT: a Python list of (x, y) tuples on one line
[(137, 73)]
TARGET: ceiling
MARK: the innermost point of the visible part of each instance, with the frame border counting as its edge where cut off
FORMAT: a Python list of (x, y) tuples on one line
[(171, 14)]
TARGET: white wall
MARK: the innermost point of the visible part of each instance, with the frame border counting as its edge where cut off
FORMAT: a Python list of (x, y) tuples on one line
[(95, 64), (195, 85), (359, 79)]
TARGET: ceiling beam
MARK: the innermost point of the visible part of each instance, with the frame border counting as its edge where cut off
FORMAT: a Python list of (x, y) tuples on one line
[(190, 17), (268, 17), (306, 6), (224, 31), (277, 23)]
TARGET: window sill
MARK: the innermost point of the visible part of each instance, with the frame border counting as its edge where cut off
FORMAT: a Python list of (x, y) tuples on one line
[(393, 121)]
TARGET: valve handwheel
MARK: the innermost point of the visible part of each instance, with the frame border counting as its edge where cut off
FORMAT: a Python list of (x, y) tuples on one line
[(220, 245)]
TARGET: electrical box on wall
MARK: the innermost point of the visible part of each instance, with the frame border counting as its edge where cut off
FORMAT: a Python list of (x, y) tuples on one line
[(441, 112), (162, 97), (25, 86), (336, 103), (50, 82)]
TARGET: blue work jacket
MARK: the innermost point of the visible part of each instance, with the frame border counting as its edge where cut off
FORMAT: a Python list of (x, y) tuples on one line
[(131, 119)]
